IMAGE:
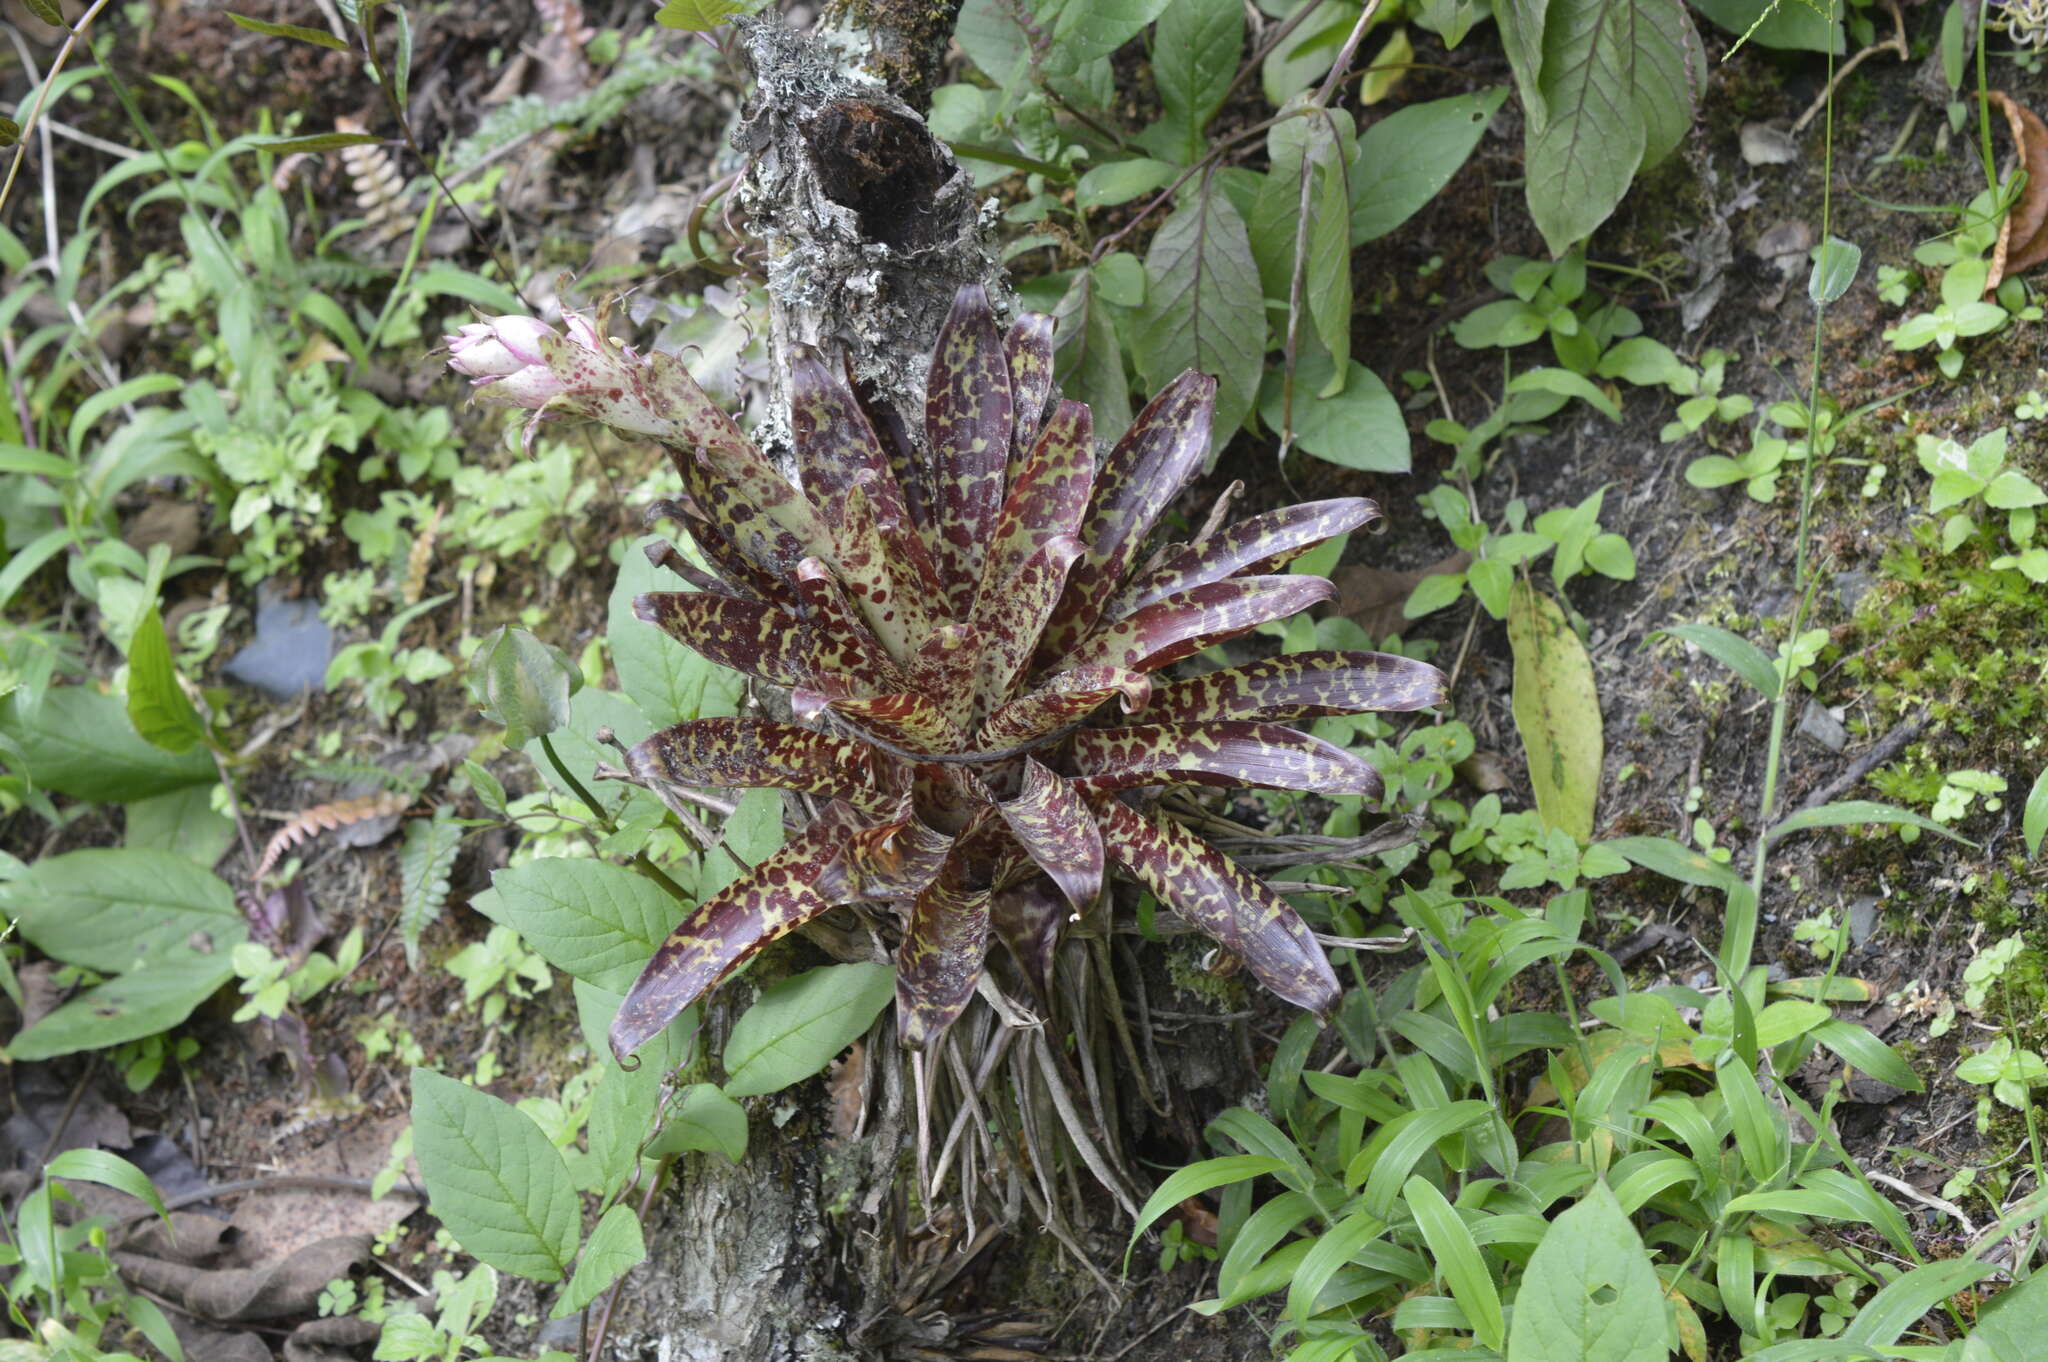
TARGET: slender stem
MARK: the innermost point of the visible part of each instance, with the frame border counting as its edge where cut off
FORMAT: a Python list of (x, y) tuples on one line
[(604, 820), (78, 31)]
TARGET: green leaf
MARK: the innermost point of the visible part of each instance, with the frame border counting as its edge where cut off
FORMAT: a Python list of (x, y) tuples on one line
[(1195, 52), (1565, 383), (522, 683), (669, 682), (1867, 1053), (1855, 813), (423, 868), (110, 909), (1204, 308), (1733, 651), (1300, 224), (1557, 712), (589, 919), (1118, 182), (144, 1002), (1195, 1179), (1121, 277), (319, 37), (1084, 30), (621, 1116), (696, 16), (1361, 427), (1457, 1260), (1617, 92), (1834, 269), (1901, 1303), (108, 1170), (1589, 1293), (1406, 158), (157, 705), (2014, 1321), (615, 1247), (701, 1117), (795, 1027), (494, 1180), (313, 142), (2034, 821), (1788, 25), (1088, 361), (183, 822)]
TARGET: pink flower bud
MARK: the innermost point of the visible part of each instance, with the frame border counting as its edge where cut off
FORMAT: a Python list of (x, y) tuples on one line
[(496, 348)]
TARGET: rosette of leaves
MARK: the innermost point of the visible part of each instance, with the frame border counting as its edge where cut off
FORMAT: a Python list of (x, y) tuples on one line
[(972, 629)]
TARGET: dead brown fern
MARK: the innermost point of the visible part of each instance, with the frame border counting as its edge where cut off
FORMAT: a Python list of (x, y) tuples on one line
[(309, 823), (378, 184)]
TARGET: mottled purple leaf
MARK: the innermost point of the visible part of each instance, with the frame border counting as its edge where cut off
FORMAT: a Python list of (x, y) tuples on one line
[(1052, 823), (969, 415), (1009, 620), (835, 445), (903, 720), (891, 860), (1066, 699), (1261, 545), (757, 536), (942, 955), (1047, 498), (842, 644), (1224, 752), (1188, 621), (1218, 897), (946, 669), (1302, 686), (885, 572), (1027, 349), (732, 753), (754, 637), (1029, 918), (724, 932)]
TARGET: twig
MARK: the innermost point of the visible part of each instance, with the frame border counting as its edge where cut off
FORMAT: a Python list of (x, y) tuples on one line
[(1896, 43), (1881, 751), (276, 1182), (78, 31)]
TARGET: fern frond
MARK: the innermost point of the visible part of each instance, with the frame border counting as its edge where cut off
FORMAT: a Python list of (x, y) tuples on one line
[(309, 823), (423, 866)]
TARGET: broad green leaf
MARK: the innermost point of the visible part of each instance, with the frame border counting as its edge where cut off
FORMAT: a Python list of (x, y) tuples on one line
[(522, 683), (621, 1116), (696, 16), (1204, 308), (1088, 360), (1406, 158), (1305, 56), (1788, 25), (183, 822), (1195, 51), (1866, 1052), (110, 909), (494, 1180), (701, 1117), (157, 705), (2013, 1323), (1855, 813), (589, 919), (669, 682), (1557, 712), (1328, 1257), (1300, 225), (319, 37), (2034, 820), (144, 1002), (595, 1008), (1361, 427), (1457, 1260), (1565, 383), (1834, 269), (1901, 1303), (795, 1027), (80, 743), (1521, 31), (615, 1247), (1589, 1293), (1084, 30), (1121, 277), (108, 1170), (1617, 86), (1118, 182), (1733, 651)]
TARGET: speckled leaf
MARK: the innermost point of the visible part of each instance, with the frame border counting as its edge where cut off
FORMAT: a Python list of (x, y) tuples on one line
[(835, 444), (904, 720), (1053, 824), (1301, 686), (1009, 620), (1027, 349), (747, 577), (845, 647), (1049, 495), (1557, 712), (889, 427), (1066, 699), (1256, 547), (1226, 753), (1217, 896), (941, 958), (892, 860), (767, 520), (1028, 919), (725, 931), (654, 397), (945, 670), (1138, 479), (886, 573), (761, 753), (969, 415), (754, 637), (666, 557), (1186, 622)]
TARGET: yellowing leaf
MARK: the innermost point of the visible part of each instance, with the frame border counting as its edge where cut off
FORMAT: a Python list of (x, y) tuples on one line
[(1387, 68), (1557, 712)]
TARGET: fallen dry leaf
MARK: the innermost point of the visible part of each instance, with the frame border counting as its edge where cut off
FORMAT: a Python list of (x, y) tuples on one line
[(1486, 772), (2022, 242), (1372, 597)]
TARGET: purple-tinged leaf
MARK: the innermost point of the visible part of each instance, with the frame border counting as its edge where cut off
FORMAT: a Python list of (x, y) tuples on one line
[(1225, 752), (757, 536), (1027, 348), (667, 557), (1048, 497), (969, 415), (889, 428), (588, 376), (886, 573), (835, 444), (905, 721), (1066, 699), (1138, 479), (754, 637), (724, 932), (941, 958), (1010, 619), (1256, 547), (1029, 918), (1218, 897), (748, 578), (843, 647), (892, 860), (761, 753), (1056, 827), (1302, 686), (946, 670), (1186, 622)]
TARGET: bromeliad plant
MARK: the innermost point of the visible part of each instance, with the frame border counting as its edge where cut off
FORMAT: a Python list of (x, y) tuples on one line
[(970, 635)]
